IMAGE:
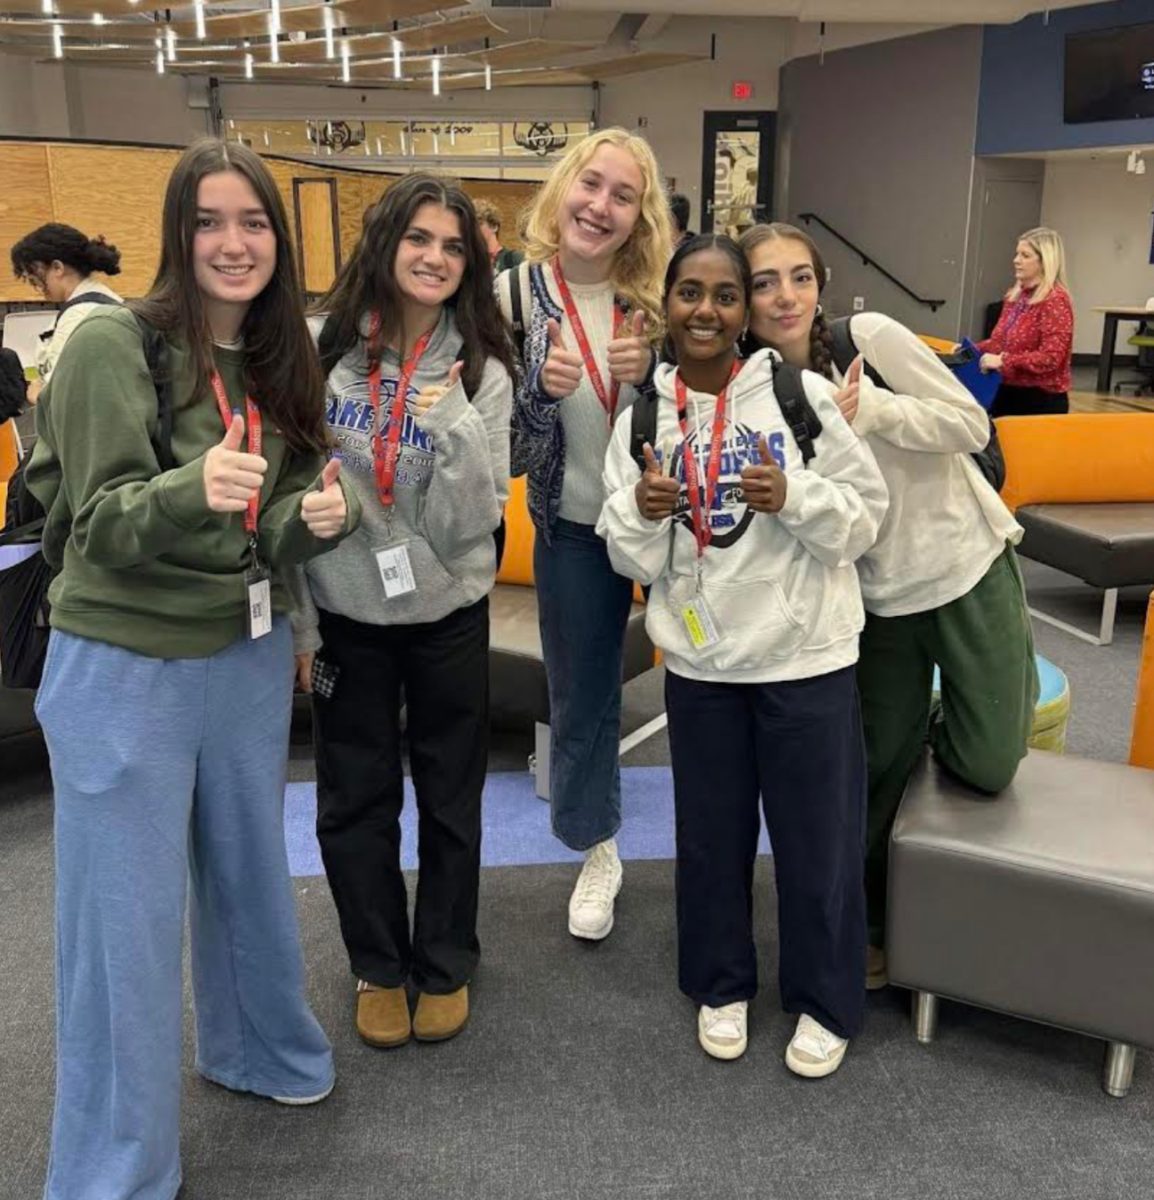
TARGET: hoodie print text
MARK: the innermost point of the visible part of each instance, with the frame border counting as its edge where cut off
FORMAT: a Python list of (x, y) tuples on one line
[(729, 516), (350, 416)]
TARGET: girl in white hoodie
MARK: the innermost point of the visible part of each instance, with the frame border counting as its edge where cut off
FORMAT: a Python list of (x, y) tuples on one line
[(941, 584), (755, 605)]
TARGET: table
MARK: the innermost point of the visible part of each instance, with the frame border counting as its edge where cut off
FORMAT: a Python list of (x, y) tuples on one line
[(1114, 314)]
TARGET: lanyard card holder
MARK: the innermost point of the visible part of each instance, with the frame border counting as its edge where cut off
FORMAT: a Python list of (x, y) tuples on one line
[(396, 570), (258, 595)]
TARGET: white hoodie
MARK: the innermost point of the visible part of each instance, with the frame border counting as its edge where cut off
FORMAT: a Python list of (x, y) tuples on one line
[(946, 525), (782, 587)]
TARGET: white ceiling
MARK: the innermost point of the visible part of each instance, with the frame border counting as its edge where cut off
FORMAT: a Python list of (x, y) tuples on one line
[(528, 41)]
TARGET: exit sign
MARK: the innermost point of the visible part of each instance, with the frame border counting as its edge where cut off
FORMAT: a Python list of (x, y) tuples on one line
[(742, 90)]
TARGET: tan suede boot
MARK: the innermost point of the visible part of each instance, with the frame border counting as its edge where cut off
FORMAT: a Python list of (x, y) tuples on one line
[(439, 1018), (383, 1015)]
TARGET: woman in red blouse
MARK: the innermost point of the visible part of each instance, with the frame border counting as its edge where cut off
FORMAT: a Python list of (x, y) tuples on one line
[(1033, 340)]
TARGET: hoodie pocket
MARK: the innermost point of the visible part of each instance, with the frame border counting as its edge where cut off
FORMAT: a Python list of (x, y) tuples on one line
[(754, 618)]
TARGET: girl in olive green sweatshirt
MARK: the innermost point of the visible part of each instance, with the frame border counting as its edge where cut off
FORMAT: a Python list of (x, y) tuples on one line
[(167, 688)]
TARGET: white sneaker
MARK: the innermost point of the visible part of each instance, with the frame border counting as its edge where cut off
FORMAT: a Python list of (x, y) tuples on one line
[(591, 905), (814, 1051), (301, 1101), (722, 1031)]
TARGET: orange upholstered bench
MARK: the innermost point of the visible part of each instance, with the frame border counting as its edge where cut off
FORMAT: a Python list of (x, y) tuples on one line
[(1082, 488)]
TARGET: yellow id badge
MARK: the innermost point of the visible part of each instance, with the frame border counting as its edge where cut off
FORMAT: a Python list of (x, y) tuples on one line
[(700, 624)]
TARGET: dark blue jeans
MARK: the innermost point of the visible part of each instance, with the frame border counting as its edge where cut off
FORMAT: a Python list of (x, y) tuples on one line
[(799, 745), (583, 606)]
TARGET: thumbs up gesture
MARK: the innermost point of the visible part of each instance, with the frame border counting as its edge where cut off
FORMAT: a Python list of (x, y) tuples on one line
[(655, 492), (561, 372), (849, 397), (764, 485), (629, 352), (323, 510), (431, 393), (231, 478)]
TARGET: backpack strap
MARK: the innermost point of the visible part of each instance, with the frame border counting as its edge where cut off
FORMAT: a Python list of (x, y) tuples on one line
[(81, 298), (23, 535), (642, 425), (844, 349), (803, 422), (156, 356), (517, 308)]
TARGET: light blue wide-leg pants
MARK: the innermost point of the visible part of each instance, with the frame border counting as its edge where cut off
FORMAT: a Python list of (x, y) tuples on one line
[(168, 771)]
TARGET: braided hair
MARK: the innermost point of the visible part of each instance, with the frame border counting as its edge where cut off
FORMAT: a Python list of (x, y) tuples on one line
[(821, 346), (820, 338)]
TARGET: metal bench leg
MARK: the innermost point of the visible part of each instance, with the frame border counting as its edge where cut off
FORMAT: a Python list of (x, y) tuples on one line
[(539, 761), (1105, 624), (1119, 1072), (925, 1017)]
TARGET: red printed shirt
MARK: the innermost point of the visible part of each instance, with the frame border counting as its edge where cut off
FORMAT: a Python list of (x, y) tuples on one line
[(1035, 341)]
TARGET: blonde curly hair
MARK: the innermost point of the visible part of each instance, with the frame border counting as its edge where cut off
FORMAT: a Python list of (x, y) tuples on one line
[(638, 269)]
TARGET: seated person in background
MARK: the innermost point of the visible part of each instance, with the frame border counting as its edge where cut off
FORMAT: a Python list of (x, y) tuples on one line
[(489, 223), (57, 261), (1033, 341), (679, 211)]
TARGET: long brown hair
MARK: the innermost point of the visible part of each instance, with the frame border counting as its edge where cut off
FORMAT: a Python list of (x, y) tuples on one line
[(366, 282), (820, 338), (281, 370)]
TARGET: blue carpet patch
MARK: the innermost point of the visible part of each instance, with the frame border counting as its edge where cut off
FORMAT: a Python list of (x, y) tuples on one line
[(516, 823)]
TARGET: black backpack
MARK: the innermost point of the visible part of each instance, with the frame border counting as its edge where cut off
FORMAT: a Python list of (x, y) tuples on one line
[(990, 461), (24, 608), (803, 422)]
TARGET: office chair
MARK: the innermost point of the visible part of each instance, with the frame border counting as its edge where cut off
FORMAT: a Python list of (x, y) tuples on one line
[(1143, 341)]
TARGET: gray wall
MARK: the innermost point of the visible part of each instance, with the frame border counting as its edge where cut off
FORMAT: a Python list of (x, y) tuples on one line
[(879, 140)]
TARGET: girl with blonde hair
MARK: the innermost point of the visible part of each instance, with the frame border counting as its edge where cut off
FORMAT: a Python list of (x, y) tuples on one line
[(1033, 341), (586, 309)]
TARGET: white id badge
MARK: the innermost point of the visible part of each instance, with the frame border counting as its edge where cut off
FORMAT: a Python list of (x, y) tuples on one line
[(700, 623), (396, 570), (259, 596)]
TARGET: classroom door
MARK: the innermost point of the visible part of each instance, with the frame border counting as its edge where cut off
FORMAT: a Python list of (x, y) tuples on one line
[(736, 170), (1009, 208)]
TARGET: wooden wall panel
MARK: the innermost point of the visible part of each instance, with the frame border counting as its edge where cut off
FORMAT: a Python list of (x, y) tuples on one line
[(25, 205), (117, 192), (318, 227), (511, 197), (350, 194)]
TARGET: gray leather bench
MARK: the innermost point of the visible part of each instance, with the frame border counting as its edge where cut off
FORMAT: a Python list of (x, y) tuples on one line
[(1038, 903), (1107, 545), (517, 684)]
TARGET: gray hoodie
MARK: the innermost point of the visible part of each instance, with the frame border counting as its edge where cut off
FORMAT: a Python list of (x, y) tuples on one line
[(452, 482)]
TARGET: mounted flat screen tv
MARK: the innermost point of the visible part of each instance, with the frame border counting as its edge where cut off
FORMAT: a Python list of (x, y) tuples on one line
[(1110, 74)]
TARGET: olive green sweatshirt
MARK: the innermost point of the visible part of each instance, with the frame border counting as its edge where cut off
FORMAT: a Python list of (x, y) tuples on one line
[(143, 561)]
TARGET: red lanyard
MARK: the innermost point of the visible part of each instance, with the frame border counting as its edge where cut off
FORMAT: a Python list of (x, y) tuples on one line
[(702, 532), (608, 399), (253, 432), (387, 449)]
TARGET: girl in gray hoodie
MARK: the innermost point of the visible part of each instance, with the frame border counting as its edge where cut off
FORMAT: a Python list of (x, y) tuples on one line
[(419, 391)]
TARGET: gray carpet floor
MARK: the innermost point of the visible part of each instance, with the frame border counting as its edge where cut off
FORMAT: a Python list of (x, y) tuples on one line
[(579, 1076)]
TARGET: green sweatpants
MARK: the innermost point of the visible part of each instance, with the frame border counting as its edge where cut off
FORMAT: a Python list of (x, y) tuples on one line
[(984, 647)]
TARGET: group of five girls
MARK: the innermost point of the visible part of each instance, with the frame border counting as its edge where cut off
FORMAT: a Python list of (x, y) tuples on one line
[(182, 537)]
